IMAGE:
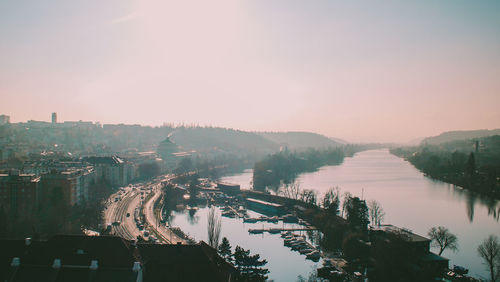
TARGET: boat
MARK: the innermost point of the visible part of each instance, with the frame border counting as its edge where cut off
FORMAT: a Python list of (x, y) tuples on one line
[(274, 230), (299, 245), (305, 250), (228, 214), (255, 231), (290, 218), (273, 219), (314, 255), (285, 234), (250, 220)]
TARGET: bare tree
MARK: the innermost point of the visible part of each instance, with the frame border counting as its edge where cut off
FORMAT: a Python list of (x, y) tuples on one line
[(213, 227), (331, 200), (345, 201), (489, 250), (308, 196), (442, 238), (291, 190), (377, 213)]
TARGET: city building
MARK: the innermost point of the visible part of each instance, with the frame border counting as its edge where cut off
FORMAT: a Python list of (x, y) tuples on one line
[(419, 246), (4, 119), (73, 184), (19, 192), (113, 170), (54, 118)]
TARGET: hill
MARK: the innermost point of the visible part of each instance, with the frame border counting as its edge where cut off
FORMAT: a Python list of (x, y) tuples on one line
[(459, 135), (300, 140), (222, 140)]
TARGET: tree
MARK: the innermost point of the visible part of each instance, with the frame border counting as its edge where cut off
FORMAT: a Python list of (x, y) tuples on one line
[(345, 201), (489, 250), (357, 214), (376, 212), (331, 201), (354, 246), (308, 196), (213, 227), (184, 166), (442, 238), (470, 166), (249, 267), (225, 249), (291, 190)]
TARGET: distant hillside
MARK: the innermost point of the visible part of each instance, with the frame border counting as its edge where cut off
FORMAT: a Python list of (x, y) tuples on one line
[(222, 140), (473, 163), (338, 140), (299, 140), (459, 135)]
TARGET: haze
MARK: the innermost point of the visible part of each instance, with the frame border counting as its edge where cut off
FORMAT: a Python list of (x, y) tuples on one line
[(361, 71)]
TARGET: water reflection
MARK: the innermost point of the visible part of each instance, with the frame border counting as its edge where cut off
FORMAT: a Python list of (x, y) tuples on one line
[(283, 263), (192, 217), (410, 200)]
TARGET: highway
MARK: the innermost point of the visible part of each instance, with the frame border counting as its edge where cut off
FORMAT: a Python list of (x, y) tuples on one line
[(117, 211), (153, 219), (129, 200)]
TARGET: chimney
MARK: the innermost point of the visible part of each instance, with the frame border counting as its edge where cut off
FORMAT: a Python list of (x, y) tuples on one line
[(27, 241), (16, 262), (94, 265), (56, 264), (136, 267)]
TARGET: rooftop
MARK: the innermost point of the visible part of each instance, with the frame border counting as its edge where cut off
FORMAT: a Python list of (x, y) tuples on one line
[(264, 202), (402, 231), (69, 258)]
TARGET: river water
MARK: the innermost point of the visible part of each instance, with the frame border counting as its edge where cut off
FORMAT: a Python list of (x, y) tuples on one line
[(409, 199), (283, 263)]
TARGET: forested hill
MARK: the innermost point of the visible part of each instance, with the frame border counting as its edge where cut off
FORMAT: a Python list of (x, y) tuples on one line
[(473, 164), (299, 140), (459, 135), (285, 166), (215, 139), (87, 138)]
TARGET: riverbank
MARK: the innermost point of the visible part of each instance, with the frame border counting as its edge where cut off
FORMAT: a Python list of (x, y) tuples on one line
[(402, 191), (475, 167)]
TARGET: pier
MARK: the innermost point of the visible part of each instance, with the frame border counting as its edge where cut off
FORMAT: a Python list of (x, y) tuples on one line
[(278, 230)]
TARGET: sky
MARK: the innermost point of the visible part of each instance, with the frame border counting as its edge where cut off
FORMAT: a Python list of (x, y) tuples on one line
[(363, 71)]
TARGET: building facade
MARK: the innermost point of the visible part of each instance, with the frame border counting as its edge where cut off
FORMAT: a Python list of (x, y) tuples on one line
[(19, 193)]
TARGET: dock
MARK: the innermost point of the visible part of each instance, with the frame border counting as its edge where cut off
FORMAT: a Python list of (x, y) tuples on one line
[(278, 230)]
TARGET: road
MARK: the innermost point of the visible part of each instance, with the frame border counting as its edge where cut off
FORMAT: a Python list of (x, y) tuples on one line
[(117, 211), (153, 219), (129, 200)]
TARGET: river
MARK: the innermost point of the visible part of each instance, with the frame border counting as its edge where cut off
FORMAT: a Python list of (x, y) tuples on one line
[(410, 200)]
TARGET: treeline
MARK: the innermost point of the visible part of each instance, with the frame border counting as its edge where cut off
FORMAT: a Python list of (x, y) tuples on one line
[(472, 164), (283, 167)]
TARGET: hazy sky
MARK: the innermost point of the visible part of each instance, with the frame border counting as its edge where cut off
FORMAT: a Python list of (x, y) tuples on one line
[(358, 70)]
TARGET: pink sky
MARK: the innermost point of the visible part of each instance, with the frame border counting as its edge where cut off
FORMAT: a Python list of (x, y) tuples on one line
[(385, 71)]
